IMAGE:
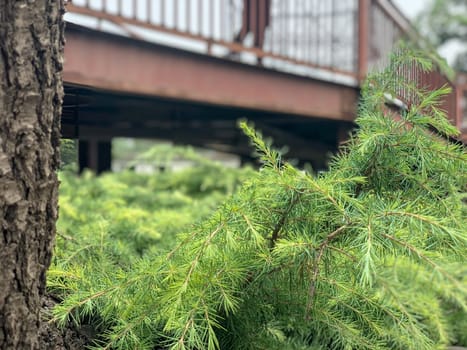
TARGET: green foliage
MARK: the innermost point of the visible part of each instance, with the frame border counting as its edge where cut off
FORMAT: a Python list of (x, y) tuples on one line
[(68, 152), (108, 222), (367, 255)]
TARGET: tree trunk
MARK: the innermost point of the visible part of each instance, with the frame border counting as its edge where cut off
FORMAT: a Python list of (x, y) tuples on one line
[(31, 93)]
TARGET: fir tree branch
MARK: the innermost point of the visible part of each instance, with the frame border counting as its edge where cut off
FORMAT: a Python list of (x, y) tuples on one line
[(198, 256), (322, 247), (423, 257), (280, 224), (343, 252), (429, 221)]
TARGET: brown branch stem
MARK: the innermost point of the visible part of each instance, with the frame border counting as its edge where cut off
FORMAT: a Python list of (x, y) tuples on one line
[(280, 224), (322, 247)]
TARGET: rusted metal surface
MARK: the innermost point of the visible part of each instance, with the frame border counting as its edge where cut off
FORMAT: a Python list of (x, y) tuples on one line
[(435, 80), (126, 65), (363, 34), (386, 27), (428, 81), (277, 29), (346, 37)]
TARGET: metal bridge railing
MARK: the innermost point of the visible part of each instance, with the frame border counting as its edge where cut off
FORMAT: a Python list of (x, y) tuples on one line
[(385, 26), (347, 37), (314, 33)]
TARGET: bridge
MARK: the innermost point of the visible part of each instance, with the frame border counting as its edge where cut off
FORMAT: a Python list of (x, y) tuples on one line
[(187, 70)]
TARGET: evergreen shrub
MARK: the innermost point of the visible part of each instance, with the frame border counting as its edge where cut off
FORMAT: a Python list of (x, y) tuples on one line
[(368, 255)]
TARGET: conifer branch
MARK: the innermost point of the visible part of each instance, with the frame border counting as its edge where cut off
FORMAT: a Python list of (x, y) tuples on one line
[(423, 257), (283, 219), (197, 258), (322, 247)]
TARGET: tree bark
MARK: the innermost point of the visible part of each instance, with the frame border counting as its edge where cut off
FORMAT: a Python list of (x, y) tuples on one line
[(31, 93)]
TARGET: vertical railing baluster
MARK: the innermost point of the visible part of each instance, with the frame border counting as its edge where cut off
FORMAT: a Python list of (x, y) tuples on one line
[(311, 24), (188, 15), (320, 28), (282, 28), (301, 30), (298, 29), (333, 23), (162, 9), (222, 20), (355, 38), (328, 21), (119, 7), (414, 78), (290, 28), (267, 25), (200, 16), (135, 9), (235, 19), (286, 29), (149, 11), (405, 74), (304, 39), (411, 79), (272, 26), (307, 31), (325, 38), (363, 37), (175, 10), (211, 19), (253, 18), (261, 18)]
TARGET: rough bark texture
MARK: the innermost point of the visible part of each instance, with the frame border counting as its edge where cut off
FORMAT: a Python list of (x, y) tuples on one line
[(66, 338), (31, 92)]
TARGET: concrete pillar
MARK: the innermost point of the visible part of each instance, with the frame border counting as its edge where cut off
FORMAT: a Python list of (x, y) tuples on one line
[(95, 154)]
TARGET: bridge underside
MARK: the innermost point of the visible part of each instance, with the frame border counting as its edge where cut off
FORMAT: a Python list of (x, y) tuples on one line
[(91, 114), (117, 86)]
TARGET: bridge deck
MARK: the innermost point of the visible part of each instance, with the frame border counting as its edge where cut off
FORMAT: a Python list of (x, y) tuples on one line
[(120, 64), (129, 87)]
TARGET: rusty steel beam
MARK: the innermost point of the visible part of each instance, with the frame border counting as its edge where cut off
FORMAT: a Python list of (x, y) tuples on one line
[(120, 64)]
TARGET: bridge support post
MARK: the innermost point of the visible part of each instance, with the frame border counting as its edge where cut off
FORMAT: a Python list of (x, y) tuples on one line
[(95, 154)]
